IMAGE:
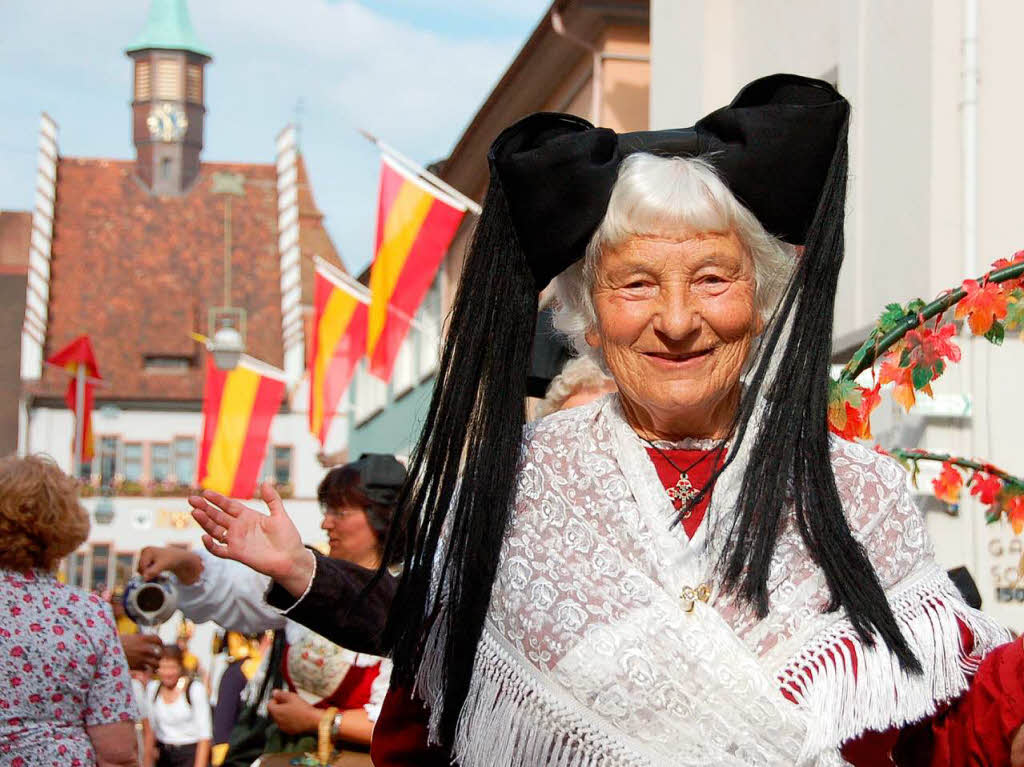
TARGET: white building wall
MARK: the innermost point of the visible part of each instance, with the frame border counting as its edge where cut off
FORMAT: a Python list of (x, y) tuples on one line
[(900, 64)]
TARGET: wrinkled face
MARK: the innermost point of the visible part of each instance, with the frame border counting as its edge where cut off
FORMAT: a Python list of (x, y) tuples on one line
[(349, 533), (675, 322), (168, 671)]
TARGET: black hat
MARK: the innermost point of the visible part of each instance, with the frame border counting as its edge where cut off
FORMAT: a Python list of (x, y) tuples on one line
[(780, 147), (381, 477)]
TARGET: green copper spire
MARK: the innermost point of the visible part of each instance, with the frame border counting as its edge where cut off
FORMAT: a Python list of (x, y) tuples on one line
[(168, 27)]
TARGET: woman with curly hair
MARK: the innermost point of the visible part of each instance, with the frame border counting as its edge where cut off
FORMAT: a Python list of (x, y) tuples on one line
[(65, 687)]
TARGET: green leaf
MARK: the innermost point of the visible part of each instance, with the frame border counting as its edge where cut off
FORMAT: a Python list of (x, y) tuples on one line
[(904, 358), (915, 306), (843, 390), (891, 317), (992, 515), (914, 471), (902, 459), (921, 377), (939, 369), (995, 334), (1015, 314)]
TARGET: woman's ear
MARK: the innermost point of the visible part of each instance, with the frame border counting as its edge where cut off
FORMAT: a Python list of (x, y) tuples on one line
[(592, 337)]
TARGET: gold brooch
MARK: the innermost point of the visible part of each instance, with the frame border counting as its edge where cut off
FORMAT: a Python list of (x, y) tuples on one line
[(690, 595)]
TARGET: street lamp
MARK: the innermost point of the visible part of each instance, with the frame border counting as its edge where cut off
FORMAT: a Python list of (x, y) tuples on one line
[(227, 346), (227, 322)]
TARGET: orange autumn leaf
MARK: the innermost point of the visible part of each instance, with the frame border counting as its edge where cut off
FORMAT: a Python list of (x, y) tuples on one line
[(1014, 508), (982, 305), (948, 484), (891, 372)]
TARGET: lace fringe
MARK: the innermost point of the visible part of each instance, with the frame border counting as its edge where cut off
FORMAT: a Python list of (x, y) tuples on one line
[(882, 695), (508, 721)]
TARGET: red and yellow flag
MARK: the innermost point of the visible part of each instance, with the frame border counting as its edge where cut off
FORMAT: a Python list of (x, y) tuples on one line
[(338, 343), (415, 225), (79, 354), (238, 406)]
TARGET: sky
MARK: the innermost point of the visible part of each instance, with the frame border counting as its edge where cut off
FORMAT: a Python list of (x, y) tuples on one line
[(413, 72)]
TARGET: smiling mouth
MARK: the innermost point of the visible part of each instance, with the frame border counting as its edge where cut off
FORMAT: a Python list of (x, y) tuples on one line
[(682, 357)]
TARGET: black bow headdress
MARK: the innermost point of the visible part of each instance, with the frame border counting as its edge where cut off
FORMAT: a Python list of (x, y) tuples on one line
[(780, 147)]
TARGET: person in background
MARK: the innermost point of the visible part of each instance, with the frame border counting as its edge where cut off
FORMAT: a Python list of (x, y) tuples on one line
[(143, 729), (179, 713), (65, 688), (580, 381), (358, 502), (243, 654)]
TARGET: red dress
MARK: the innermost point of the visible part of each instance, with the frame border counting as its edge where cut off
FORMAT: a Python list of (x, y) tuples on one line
[(975, 729)]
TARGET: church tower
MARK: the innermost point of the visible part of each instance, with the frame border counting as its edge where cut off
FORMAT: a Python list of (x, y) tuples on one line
[(168, 106)]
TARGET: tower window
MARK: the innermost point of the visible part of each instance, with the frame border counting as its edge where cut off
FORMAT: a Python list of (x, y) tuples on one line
[(194, 83), (143, 83), (168, 79), (165, 168)]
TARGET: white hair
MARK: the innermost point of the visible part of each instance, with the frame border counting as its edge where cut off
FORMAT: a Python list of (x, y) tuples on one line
[(669, 197), (578, 374)]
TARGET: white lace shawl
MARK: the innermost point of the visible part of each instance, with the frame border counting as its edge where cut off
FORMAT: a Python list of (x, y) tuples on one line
[(587, 657)]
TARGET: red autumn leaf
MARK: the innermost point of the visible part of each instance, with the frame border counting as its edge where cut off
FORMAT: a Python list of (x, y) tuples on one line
[(850, 407), (926, 346), (982, 305), (869, 400), (948, 484), (1002, 263), (986, 487), (1014, 508)]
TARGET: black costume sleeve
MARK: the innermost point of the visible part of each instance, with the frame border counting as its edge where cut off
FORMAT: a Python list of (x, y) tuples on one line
[(336, 607)]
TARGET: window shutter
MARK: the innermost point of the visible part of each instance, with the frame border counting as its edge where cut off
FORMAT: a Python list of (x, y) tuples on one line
[(194, 84), (143, 82), (168, 79)]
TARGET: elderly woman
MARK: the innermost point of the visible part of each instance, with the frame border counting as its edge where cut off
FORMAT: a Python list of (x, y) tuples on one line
[(690, 571), (65, 688)]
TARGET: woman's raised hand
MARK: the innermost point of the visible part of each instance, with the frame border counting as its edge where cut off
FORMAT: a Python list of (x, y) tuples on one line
[(268, 543)]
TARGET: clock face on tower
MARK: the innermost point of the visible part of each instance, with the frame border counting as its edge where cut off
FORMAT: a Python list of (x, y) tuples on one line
[(167, 122)]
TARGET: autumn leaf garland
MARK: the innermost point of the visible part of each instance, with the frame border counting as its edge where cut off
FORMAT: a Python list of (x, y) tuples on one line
[(911, 355), (1001, 492)]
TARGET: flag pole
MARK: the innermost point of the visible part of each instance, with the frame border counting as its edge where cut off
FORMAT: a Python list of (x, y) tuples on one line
[(79, 419), (470, 203), (359, 291)]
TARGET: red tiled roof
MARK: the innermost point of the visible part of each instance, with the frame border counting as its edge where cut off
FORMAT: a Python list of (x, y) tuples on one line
[(138, 273)]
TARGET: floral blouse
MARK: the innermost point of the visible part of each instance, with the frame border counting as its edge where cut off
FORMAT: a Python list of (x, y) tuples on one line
[(62, 669)]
